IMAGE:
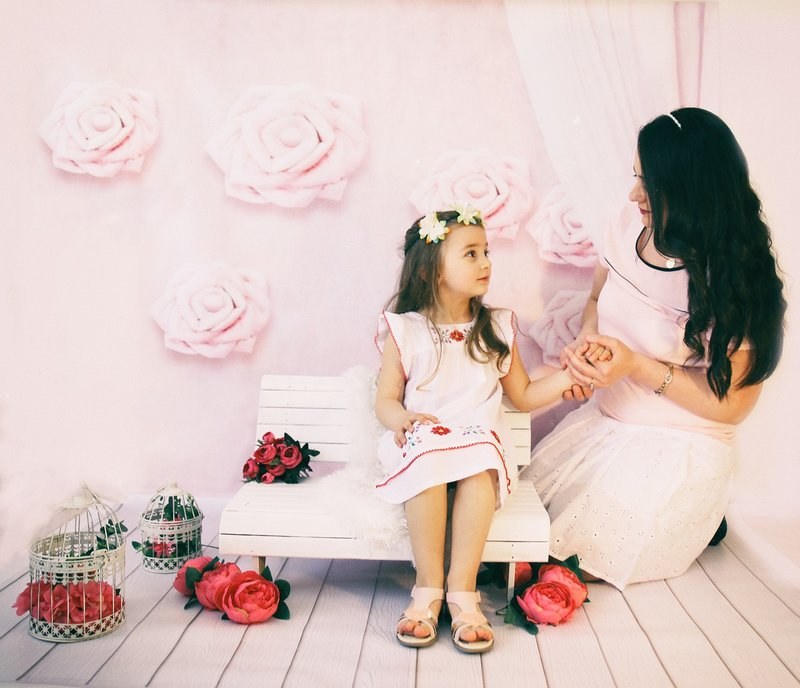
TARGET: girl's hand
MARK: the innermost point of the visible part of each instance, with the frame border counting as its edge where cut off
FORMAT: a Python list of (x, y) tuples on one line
[(613, 362), (407, 425)]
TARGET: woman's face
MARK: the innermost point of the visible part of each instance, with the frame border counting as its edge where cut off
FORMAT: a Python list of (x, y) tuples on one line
[(638, 194)]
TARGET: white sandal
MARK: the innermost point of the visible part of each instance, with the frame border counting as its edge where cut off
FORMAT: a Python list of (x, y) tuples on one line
[(469, 616), (420, 613)]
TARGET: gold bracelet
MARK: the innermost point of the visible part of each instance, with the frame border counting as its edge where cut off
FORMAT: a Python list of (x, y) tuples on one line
[(667, 380)]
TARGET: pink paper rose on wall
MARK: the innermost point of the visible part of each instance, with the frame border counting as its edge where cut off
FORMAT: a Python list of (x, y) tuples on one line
[(100, 129), (289, 145), (211, 310), (499, 187), (559, 324), (561, 236)]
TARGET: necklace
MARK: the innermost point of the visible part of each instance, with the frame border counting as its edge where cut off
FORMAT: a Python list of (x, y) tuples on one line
[(670, 263)]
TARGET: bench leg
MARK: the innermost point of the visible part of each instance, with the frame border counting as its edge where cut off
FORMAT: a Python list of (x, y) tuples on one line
[(512, 571), (259, 563)]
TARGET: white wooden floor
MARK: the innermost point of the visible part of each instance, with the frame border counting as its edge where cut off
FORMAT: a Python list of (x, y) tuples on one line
[(732, 620)]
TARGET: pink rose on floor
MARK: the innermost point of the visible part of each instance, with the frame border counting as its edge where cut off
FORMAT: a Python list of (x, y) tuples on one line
[(559, 324), (267, 478), (250, 598), (265, 453), (209, 589), (250, 469), (100, 129), (554, 573), (289, 145), (291, 456), (523, 573), (561, 236), (180, 583), (549, 603), (499, 187), (213, 309)]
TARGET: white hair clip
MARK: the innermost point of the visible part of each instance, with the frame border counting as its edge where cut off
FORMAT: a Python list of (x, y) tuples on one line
[(674, 119)]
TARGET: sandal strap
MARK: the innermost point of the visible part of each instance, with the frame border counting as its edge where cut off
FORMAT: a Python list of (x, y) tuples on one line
[(469, 613), (421, 600)]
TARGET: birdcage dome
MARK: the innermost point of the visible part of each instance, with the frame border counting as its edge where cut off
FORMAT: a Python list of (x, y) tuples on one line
[(77, 573), (171, 527)]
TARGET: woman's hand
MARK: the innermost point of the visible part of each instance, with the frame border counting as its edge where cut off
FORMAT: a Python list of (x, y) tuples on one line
[(407, 425), (590, 352), (609, 361)]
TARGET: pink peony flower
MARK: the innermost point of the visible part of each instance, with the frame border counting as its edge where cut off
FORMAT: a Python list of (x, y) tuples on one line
[(268, 438), (291, 456), (561, 236), (250, 469), (289, 145), (554, 573), (250, 598), (180, 583), (277, 470), (100, 129), (91, 601), (559, 324), (523, 573), (209, 589), (164, 549), (499, 187), (212, 310), (265, 453), (549, 603)]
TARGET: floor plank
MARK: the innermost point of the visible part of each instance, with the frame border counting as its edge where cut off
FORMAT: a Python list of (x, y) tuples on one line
[(775, 623), (329, 649), (626, 648), (385, 663), (748, 657), (267, 650), (685, 652)]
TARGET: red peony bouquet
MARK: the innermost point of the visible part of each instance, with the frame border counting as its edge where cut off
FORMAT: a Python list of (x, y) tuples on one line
[(245, 597), (74, 603), (278, 459), (550, 596)]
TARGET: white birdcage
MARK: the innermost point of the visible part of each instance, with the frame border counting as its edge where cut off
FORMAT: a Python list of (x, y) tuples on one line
[(171, 527), (77, 573)]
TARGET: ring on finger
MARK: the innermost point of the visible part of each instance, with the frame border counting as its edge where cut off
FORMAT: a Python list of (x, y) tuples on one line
[(591, 384)]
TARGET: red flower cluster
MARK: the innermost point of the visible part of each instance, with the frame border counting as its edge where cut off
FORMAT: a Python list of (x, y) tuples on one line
[(74, 603), (555, 596), (245, 597), (440, 430), (278, 459)]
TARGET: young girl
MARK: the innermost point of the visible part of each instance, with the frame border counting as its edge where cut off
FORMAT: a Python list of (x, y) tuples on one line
[(447, 360)]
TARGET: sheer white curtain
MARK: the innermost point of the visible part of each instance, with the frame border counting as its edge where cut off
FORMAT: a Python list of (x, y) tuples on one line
[(596, 71)]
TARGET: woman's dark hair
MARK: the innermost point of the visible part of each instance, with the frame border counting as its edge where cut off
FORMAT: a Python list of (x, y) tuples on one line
[(417, 291), (706, 214)]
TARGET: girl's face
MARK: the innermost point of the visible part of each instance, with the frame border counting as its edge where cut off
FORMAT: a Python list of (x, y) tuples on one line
[(465, 266), (638, 194)]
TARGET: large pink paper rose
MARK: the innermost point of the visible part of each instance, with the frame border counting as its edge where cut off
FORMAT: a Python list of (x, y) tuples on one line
[(559, 324), (211, 310), (499, 187), (100, 129), (250, 598), (210, 587), (561, 236), (289, 145)]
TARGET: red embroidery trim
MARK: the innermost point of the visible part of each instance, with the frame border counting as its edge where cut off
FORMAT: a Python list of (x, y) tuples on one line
[(441, 449), (394, 339)]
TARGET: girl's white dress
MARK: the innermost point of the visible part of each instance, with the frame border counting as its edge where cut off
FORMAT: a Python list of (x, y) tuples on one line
[(463, 394), (634, 484)]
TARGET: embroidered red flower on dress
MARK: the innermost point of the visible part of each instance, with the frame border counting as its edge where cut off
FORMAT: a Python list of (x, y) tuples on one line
[(440, 430), (457, 336)]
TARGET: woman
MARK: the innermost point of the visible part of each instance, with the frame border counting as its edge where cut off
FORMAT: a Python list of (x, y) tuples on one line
[(683, 324)]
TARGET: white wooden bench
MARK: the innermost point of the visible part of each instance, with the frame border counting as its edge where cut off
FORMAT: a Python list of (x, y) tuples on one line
[(296, 521)]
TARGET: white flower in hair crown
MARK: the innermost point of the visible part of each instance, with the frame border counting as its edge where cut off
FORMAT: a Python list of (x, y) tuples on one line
[(433, 230)]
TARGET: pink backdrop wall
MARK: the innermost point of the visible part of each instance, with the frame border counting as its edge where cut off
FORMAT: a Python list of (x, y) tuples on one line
[(87, 390)]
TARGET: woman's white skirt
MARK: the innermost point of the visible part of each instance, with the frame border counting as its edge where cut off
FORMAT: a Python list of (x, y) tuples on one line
[(634, 502)]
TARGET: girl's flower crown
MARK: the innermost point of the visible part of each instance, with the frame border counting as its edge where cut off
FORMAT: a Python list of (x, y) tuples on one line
[(434, 230)]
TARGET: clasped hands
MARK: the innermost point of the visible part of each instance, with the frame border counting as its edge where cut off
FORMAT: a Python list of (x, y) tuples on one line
[(593, 361)]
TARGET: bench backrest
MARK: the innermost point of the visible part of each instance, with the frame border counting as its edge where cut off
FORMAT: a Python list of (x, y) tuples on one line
[(314, 410)]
